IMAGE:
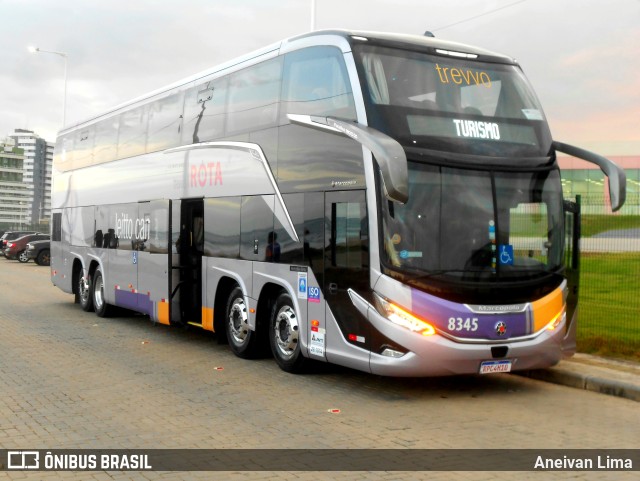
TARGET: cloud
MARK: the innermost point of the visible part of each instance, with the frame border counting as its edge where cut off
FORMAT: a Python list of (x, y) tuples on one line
[(579, 54)]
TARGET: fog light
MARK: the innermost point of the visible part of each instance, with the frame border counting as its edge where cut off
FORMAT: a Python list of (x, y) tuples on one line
[(392, 353)]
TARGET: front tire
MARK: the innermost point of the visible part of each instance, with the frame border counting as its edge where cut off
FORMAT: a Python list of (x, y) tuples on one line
[(22, 256), (243, 341), (284, 332), (100, 304)]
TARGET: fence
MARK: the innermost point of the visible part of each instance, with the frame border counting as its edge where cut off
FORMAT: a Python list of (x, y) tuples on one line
[(609, 306), (38, 227)]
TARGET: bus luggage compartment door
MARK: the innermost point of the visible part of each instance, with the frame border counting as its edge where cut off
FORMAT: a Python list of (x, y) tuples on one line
[(152, 256)]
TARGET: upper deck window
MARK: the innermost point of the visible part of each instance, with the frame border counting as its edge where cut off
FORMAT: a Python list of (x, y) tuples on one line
[(316, 83), (253, 98)]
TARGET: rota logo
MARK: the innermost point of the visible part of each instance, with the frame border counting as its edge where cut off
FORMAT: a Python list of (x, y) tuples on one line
[(205, 174)]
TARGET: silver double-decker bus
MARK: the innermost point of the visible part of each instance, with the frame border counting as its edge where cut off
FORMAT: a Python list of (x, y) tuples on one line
[(390, 203)]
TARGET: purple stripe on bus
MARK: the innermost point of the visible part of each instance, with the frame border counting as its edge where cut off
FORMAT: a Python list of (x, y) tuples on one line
[(126, 299), (135, 301), (459, 321)]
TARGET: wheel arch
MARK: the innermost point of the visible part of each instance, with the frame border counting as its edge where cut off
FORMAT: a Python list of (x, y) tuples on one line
[(268, 296), (79, 268), (226, 284)]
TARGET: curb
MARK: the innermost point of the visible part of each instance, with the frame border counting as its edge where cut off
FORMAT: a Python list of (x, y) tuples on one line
[(588, 383)]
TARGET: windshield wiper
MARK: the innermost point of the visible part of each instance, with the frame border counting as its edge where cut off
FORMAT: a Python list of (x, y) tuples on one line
[(431, 274)]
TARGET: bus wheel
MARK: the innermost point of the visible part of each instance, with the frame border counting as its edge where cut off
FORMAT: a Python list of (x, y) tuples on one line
[(84, 293), (100, 305), (284, 332), (243, 341)]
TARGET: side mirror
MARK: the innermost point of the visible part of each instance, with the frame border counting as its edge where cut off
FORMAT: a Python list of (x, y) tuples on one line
[(616, 175), (389, 154)]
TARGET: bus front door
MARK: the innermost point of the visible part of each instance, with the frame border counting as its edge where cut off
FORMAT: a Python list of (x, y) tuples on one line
[(186, 261), (572, 271), (346, 267)]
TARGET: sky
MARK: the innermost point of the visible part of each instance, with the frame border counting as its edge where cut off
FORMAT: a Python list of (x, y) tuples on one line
[(582, 56)]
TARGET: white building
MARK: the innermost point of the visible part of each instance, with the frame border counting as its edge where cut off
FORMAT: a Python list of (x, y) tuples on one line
[(14, 195), (38, 158)]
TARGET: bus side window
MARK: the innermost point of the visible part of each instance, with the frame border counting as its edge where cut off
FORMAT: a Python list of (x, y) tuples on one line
[(165, 122), (222, 227), (256, 224), (349, 235), (56, 227), (102, 233), (316, 83), (83, 147), (106, 140), (204, 107), (253, 97), (65, 156), (132, 136)]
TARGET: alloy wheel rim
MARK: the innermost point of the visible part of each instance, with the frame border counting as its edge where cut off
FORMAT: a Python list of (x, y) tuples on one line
[(238, 321), (286, 332), (99, 292)]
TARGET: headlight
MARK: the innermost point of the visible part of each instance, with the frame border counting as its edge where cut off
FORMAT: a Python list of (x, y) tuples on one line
[(399, 316)]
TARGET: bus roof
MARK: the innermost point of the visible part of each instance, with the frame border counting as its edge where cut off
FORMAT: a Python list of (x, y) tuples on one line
[(341, 38), (409, 41)]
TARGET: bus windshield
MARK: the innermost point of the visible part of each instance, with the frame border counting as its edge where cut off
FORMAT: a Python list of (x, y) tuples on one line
[(463, 225), (450, 104)]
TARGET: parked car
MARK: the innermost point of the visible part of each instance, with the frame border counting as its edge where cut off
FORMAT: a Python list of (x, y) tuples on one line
[(11, 235), (17, 248), (40, 252)]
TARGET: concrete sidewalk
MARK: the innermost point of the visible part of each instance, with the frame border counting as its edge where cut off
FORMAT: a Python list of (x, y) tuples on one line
[(592, 373)]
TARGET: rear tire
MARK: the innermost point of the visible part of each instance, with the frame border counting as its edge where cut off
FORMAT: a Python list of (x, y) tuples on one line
[(243, 341), (100, 304), (44, 258), (85, 297), (22, 256), (284, 332)]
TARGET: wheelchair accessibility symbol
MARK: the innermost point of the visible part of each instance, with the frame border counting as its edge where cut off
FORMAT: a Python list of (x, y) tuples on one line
[(506, 254)]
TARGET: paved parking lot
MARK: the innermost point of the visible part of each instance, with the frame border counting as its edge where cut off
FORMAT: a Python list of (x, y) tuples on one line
[(69, 379)]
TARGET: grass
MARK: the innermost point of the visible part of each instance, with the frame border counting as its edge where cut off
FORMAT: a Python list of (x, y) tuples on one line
[(593, 224), (534, 225), (609, 306)]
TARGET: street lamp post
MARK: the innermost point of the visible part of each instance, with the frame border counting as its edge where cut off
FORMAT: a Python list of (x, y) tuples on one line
[(64, 56), (21, 204)]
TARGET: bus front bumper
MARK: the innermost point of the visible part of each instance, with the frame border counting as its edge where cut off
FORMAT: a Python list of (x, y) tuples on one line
[(436, 355)]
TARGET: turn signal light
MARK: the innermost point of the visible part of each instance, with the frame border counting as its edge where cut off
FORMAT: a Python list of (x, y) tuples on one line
[(557, 320)]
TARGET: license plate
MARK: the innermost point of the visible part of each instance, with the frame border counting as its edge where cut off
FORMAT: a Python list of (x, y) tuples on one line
[(490, 367)]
